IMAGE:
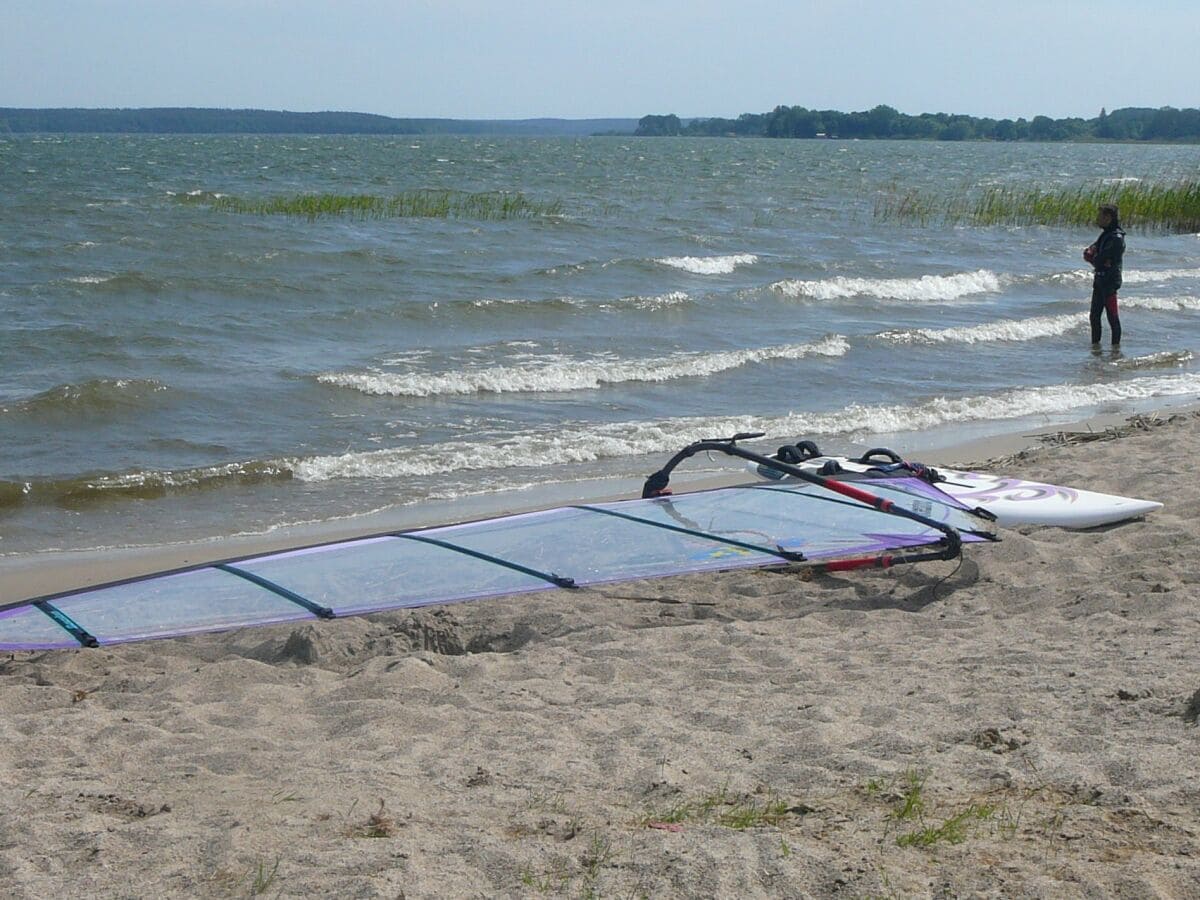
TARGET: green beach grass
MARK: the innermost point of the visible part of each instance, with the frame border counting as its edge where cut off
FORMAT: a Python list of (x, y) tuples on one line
[(420, 204), (1168, 207)]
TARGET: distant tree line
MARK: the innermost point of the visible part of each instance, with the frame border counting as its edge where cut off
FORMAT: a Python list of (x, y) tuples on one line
[(1130, 124), (186, 120)]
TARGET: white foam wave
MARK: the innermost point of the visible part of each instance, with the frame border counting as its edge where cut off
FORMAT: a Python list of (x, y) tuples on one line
[(1076, 275), (555, 373), (932, 288), (1129, 276), (1165, 359), (198, 193), (651, 302), (1003, 330), (639, 301), (1162, 304), (1152, 275), (1027, 329), (709, 265), (584, 444), (91, 279)]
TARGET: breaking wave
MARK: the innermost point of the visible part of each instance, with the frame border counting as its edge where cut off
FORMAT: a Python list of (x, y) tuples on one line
[(591, 443), (1151, 275), (709, 265), (1003, 330), (1026, 329), (637, 301), (1129, 276), (1167, 359), (1162, 304), (560, 373), (929, 288), (651, 302)]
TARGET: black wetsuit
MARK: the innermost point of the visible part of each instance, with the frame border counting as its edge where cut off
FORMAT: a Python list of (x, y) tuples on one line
[(1106, 257)]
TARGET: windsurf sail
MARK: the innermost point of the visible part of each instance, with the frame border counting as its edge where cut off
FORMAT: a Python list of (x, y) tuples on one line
[(817, 523)]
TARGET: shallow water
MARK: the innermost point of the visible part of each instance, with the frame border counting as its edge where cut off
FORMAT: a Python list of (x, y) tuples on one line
[(170, 371)]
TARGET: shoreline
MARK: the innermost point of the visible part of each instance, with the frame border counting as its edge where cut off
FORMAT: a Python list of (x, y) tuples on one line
[(27, 576), (1021, 724)]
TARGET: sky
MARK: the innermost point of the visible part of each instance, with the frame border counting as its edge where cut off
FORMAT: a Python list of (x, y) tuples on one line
[(605, 58)]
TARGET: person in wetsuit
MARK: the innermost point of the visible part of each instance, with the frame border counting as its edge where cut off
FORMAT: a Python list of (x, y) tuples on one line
[(1105, 256)]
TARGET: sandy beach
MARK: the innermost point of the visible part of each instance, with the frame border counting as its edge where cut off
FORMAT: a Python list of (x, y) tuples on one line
[(1022, 724)]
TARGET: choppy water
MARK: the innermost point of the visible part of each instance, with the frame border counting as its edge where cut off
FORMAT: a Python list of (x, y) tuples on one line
[(169, 371)]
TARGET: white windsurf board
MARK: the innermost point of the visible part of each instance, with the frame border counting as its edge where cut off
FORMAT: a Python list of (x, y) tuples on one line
[(1017, 501)]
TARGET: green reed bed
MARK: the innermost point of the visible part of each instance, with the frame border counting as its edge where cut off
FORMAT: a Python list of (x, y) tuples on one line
[(1172, 207), (423, 204)]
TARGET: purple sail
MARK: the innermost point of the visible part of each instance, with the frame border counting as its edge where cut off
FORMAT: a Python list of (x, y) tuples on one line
[(572, 546)]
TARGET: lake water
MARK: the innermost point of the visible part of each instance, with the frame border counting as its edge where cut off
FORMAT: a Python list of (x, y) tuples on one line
[(169, 371)]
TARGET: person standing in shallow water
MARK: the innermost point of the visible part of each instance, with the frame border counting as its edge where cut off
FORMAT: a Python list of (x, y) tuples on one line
[(1105, 256)]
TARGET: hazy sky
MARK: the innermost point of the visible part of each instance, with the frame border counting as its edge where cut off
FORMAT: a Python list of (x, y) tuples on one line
[(475, 59)]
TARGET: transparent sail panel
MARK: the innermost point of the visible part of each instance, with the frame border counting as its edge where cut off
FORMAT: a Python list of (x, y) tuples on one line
[(722, 529), (591, 547), (200, 600), (890, 486), (782, 519), (388, 573), (911, 494), (28, 628), (895, 487)]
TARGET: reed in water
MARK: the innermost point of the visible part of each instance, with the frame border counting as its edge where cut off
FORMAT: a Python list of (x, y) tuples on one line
[(425, 204), (1168, 207)]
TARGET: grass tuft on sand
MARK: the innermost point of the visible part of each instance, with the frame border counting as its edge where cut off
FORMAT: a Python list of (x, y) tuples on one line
[(725, 809)]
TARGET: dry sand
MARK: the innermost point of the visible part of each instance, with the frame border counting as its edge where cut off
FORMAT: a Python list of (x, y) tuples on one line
[(1024, 725)]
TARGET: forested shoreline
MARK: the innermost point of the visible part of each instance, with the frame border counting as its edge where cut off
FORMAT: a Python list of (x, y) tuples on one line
[(185, 120), (1166, 124), (885, 122)]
